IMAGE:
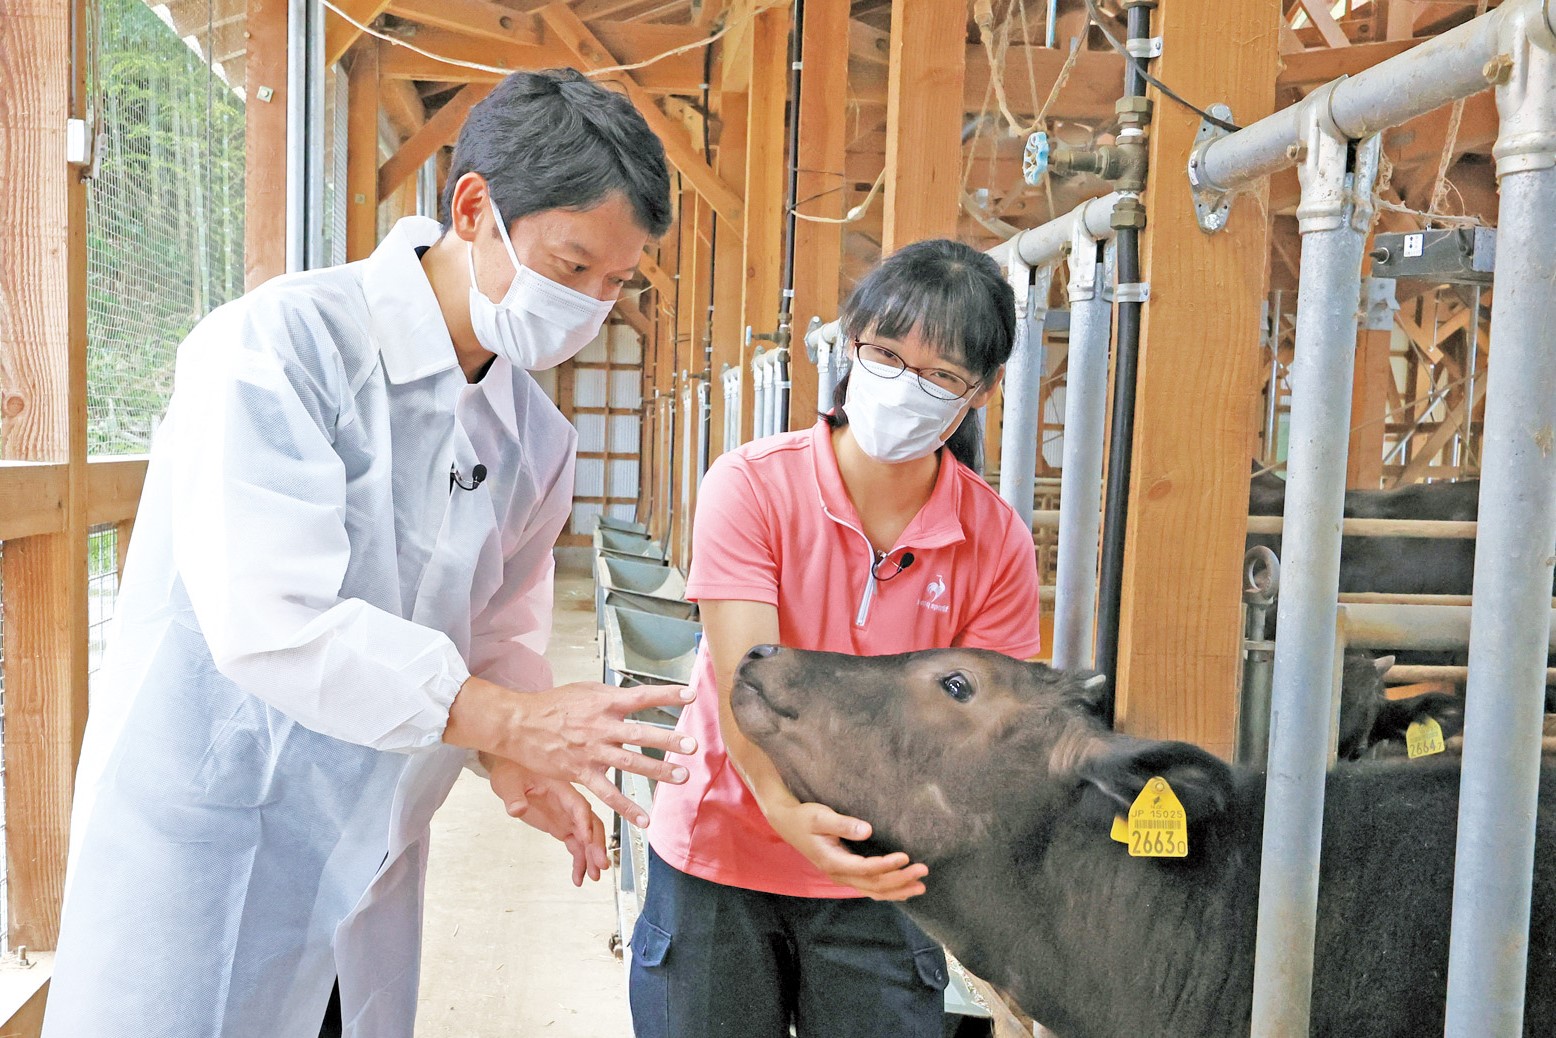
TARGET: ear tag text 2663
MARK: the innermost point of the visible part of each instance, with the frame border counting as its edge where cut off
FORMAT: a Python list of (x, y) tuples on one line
[(1158, 825)]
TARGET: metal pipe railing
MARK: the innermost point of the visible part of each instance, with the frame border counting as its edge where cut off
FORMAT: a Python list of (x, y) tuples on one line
[(1334, 216), (1085, 433), (1045, 245), (1488, 955), (1023, 388), (1436, 72), (1511, 49)]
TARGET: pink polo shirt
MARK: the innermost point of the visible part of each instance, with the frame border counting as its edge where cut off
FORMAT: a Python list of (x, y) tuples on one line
[(775, 524)]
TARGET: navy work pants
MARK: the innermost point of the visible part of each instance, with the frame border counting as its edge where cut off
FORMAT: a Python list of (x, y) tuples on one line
[(714, 961)]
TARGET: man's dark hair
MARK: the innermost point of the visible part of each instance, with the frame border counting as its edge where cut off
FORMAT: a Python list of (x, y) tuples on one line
[(960, 304), (555, 140)]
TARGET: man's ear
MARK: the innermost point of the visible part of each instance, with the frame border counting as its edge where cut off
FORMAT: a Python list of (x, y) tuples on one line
[(468, 206)]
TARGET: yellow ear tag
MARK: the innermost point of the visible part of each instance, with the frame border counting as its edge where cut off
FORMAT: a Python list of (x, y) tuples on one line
[(1424, 738), (1120, 829), (1158, 824)]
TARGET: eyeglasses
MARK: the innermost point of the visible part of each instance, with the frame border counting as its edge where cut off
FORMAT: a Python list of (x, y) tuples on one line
[(937, 382)]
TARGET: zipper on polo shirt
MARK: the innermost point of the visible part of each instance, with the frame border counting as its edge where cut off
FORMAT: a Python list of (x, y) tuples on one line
[(869, 589), (876, 557)]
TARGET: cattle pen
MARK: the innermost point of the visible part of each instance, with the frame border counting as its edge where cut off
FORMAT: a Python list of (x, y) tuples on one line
[(1279, 411)]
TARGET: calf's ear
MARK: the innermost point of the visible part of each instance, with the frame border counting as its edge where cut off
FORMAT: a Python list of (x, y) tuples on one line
[(1395, 716), (1201, 781)]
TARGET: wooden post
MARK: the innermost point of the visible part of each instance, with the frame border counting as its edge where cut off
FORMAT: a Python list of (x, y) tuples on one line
[(1369, 402), (264, 190), (362, 151), (1188, 501), (43, 399), (766, 186), (728, 273), (924, 121), (821, 189)]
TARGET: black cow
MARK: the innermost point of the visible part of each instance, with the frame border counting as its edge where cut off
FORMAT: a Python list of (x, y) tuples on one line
[(1000, 776), (1391, 565), (1371, 724)]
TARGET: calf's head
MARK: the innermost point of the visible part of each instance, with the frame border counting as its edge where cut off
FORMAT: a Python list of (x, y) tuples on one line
[(945, 749)]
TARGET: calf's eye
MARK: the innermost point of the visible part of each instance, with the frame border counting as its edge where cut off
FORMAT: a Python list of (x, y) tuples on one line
[(957, 687)]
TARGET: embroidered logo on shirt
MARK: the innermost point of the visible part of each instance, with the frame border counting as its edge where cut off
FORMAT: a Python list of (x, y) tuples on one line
[(933, 592)]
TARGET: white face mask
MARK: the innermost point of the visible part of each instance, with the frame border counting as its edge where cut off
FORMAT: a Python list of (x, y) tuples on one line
[(893, 420), (539, 323)]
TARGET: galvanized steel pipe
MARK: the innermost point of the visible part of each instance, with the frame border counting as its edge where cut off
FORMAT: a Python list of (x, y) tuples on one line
[(1334, 216), (1085, 430), (1436, 72), (1044, 245), (1023, 385), (1510, 638)]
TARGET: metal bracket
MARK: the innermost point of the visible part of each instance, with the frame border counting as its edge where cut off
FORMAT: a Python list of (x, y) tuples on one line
[(1133, 292), (1083, 264), (1150, 47), (1109, 268), (1211, 207), (1379, 304)]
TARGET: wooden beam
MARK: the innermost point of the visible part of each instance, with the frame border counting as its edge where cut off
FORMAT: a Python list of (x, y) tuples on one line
[(43, 360), (478, 18), (33, 494), (399, 101), (1179, 636), (728, 274), (678, 74), (1421, 458), (362, 151), (924, 122), (1401, 23), (576, 37), (264, 192), (818, 247), (657, 278), (767, 57), (1374, 374), (1311, 67), (442, 128), (1323, 21), (340, 34), (1088, 95), (634, 318), (114, 486), (32, 499)]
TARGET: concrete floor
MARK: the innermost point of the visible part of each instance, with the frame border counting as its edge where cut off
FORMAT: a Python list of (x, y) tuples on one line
[(512, 948)]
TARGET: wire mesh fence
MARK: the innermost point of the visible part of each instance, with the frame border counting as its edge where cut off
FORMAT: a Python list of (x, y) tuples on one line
[(165, 210), (102, 588)]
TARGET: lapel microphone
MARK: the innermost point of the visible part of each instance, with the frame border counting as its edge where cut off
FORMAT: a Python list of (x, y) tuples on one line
[(477, 477)]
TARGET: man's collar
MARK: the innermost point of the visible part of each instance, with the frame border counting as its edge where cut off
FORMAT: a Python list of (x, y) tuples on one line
[(407, 320)]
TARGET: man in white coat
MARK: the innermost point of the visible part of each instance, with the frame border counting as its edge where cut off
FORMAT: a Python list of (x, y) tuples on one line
[(339, 593)]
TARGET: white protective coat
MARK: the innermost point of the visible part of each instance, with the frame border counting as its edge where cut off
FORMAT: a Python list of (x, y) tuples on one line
[(303, 598)]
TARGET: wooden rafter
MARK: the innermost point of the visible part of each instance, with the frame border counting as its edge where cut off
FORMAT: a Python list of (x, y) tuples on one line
[(657, 278), (1323, 21), (479, 18), (340, 34), (572, 34), (439, 130)]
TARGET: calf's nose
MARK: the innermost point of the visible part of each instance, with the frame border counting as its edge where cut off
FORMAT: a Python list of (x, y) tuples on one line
[(761, 652)]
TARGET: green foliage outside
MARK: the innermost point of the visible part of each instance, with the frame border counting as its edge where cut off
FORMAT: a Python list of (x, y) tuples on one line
[(164, 219)]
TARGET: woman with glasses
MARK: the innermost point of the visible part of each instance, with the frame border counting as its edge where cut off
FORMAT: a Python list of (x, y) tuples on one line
[(869, 533)]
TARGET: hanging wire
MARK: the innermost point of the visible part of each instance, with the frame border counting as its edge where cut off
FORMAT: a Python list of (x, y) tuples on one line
[(502, 71), (854, 214), (1096, 19)]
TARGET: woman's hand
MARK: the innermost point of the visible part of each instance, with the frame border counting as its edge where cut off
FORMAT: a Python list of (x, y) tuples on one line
[(555, 808), (817, 832)]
